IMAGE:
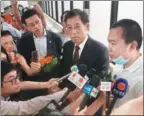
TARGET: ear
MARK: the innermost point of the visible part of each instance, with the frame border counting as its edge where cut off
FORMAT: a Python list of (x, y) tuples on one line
[(87, 25), (134, 45)]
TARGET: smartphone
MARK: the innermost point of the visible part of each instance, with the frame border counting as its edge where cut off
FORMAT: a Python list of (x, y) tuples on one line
[(35, 56)]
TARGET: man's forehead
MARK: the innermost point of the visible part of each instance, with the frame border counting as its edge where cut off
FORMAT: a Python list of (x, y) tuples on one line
[(7, 37), (10, 75), (115, 33), (75, 20)]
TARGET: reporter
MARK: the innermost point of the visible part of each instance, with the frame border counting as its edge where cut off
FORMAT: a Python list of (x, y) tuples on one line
[(10, 85)]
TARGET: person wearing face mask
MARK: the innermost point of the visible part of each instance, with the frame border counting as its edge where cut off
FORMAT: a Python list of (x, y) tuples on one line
[(125, 39)]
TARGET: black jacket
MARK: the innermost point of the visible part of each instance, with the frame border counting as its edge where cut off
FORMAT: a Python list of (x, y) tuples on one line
[(94, 55)]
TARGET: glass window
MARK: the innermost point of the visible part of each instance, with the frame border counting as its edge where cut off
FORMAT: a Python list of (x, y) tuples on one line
[(59, 10), (66, 5), (50, 8), (100, 20), (54, 10), (132, 10), (78, 5)]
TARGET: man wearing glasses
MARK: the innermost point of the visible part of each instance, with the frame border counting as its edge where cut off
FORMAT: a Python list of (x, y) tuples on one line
[(10, 84), (41, 40)]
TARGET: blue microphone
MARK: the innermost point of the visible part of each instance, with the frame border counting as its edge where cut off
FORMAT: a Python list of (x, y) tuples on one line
[(119, 90)]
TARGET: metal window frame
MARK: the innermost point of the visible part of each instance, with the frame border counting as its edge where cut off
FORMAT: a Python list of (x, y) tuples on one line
[(114, 12), (56, 6), (52, 9), (62, 2), (71, 5)]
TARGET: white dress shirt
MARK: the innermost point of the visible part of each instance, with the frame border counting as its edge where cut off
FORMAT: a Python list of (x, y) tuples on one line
[(41, 45), (81, 46)]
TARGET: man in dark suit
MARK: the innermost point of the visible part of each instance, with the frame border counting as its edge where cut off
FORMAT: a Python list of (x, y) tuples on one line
[(82, 49), (41, 40), (90, 52)]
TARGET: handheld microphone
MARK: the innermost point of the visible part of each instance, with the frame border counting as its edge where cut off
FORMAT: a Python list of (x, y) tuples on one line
[(73, 68), (90, 73), (119, 90), (82, 71), (87, 100)]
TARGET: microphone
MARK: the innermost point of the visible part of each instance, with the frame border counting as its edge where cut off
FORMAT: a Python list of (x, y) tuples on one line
[(73, 68), (90, 73), (119, 90), (82, 71), (88, 99)]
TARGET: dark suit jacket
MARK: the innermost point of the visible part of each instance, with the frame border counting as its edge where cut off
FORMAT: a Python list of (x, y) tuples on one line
[(27, 45), (25, 48), (94, 55)]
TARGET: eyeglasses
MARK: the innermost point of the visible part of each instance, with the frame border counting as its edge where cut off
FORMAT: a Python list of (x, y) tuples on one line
[(76, 28), (33, 24), (13, 81)]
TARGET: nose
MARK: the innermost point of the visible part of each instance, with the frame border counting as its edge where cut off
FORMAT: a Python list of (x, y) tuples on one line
[(109, 47), (17, 81), (73, 31)]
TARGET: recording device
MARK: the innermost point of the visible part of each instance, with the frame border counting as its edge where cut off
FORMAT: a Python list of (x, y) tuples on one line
[(82, 71), (119, 90), (88, 99), (82, 68), (35, 56)]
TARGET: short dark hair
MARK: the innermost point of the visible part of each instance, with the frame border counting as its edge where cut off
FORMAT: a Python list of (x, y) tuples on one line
[(63, 15), (131, 31), (27, 14), (76, 12), (5, 33), (6, 67)]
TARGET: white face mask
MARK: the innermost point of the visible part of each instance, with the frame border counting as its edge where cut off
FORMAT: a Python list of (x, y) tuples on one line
[(121, 60)]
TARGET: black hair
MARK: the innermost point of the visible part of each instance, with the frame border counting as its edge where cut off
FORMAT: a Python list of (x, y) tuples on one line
[(27, 14), (4, 51), (63, 15), (5, 33), (76, 12), (6, 67), (131, 31)]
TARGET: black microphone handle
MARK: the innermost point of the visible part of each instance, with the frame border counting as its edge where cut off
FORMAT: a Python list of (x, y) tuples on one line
[(65, 101), (84, 102), (64, 96), (107, 100), (111, 106)]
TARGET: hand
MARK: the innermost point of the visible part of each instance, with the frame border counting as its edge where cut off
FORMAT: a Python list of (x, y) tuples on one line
[(82, 112), (52, 83), (38, 9), (35, 67), (74, 94), (14, 2), (12, 57), (20, 59), (53, 86)]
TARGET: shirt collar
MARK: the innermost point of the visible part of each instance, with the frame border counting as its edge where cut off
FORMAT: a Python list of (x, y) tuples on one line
[(42, 36), (81, 46), (137, 64), (5, 99)]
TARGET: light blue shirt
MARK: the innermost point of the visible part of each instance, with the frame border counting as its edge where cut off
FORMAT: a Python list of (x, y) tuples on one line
[(11, 29)]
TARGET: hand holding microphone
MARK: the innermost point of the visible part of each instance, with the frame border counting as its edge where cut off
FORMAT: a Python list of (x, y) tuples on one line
[(119, 90)]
